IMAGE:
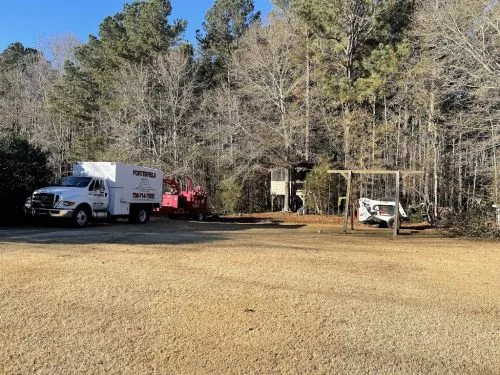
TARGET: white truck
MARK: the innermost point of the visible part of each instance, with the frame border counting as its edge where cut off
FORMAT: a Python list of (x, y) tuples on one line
[(379, 212), (100, 191)]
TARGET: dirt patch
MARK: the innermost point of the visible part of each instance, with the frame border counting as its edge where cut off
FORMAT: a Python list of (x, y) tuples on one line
[(328, 220), (283, 217), (269, 296)]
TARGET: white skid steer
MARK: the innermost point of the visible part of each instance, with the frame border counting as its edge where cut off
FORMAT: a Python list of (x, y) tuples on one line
[(379, 212)]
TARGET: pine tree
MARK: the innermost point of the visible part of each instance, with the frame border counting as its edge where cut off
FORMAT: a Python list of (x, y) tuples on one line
[(225, 24), (86, 94)]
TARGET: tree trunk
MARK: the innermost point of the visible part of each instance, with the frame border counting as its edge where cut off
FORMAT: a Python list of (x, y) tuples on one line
[(308, 82), (286, 205), (496, 198)]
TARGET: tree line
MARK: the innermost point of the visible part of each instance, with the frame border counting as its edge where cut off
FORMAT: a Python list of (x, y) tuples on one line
[(348, 84)]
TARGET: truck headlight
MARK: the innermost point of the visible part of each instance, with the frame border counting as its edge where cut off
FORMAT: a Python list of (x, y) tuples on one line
[(27, 204), (69, 203)]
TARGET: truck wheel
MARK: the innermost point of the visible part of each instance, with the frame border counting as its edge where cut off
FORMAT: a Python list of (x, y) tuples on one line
[(142, 215), (200, 216), (139, 214), (81, 217)]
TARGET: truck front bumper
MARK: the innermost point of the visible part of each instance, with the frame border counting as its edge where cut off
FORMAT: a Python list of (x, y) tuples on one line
[(51, 212)]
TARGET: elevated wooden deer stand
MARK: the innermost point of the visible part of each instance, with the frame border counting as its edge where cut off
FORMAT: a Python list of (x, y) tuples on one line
[(347, 173)]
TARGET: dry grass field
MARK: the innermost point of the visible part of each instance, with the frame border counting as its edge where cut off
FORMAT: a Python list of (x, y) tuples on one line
[(246, 298)]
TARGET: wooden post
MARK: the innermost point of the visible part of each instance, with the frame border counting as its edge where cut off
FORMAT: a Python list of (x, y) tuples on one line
[(352, 210), (348, 176), (352, 217), (396, 212), (347, 200)]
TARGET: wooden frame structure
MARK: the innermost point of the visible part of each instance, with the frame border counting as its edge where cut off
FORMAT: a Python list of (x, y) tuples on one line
[(347, 174)]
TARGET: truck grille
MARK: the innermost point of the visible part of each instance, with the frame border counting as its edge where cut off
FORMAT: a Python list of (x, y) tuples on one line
[(43, 200)]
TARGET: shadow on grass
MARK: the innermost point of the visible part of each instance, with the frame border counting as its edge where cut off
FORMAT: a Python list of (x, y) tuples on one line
[(158, 231), (243, 220), (412, 230)]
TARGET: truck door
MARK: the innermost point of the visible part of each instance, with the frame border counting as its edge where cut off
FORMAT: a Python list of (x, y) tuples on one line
[(98, 195)]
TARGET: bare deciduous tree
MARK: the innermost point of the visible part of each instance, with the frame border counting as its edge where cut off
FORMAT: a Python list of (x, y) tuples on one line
[(269, 77)]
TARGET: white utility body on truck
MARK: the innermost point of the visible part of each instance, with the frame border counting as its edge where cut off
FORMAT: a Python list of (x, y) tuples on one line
[(100, 191)]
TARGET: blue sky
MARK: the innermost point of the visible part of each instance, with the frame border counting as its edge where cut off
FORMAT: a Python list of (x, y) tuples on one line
[(32, 21)]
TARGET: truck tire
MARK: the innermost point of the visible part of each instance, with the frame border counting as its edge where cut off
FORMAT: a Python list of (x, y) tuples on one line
[(142, 215), (200, 216), (139, 214), (81, 216)]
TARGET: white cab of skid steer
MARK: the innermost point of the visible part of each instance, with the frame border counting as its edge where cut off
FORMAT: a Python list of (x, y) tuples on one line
[(379, 212)]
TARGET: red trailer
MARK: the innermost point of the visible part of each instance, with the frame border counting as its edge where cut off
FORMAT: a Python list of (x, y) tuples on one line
[(186, 202)]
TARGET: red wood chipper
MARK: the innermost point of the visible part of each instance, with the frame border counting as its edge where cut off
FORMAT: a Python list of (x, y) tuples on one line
[(183, 202)]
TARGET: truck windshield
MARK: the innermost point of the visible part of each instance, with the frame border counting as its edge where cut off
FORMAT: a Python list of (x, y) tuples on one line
[(74, 181)]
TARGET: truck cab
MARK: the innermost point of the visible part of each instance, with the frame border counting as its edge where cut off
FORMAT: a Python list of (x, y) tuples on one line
[(76, 197)]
